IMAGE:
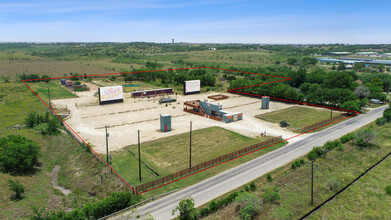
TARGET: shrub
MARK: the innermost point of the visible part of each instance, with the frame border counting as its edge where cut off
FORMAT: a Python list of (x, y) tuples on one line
[(347, 137), (253, 186), (46, 77), (247, 188), (213, 206), (31, 119), (315, 153), (387, 114), (333, 184), (271, 195), (365, 138), (331, 145), (18, 189), (297, 163), (186, 209), (203, 212), (388, 190), (117, 201), (248, 205), (112, 78), (381, 121), (269, 178), (18, 154), (53, 124), (77, 83)]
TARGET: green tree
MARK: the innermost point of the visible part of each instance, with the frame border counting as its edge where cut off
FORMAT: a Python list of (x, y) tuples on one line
[(341, 66), (359, 66), (18, 154), (351, 105), (248, 205), (186, 209), (298, 77), (292, 61), (387, 114), (17, 188), (340, 80)]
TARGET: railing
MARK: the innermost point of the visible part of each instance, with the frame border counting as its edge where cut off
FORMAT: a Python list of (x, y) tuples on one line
[(204, 165)]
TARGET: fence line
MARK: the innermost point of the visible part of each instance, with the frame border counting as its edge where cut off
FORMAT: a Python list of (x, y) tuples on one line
[(324, 122), (203, 165)]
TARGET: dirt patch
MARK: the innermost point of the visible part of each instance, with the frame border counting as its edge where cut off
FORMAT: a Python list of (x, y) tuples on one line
[(54, 178)]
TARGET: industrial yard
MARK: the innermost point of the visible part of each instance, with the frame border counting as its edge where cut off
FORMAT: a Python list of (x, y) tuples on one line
[(89, 119)]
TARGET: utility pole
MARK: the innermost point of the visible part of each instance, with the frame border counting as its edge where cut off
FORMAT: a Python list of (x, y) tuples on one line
[(139, 156), (107, 146), (190, 144), (50, 103), (312, 182)]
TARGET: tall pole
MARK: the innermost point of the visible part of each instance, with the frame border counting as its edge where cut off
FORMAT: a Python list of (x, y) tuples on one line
[(312, 182), (190, 145), (139, 155), (50, 103), (107, 146)]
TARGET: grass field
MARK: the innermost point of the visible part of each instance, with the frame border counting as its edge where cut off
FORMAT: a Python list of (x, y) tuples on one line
[(56, 90), (351, 203), (80, 172), (297, 117), (365, 200), (170, 154)]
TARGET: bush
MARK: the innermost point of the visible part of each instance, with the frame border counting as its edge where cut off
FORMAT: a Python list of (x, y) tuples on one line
[(77, 83), (269, 178), (365, 138), (387, 114), (347, 137), (112, 78), (18, 189), (271, 195), (297, 163), (248, 205), (381, 121), (186, 209), (333, 184), (43, 123), (116, 202), (315, 153), (253, 187), (203, 212), (18, 154), (388, 190), (31, 119), (331, 145), (213, 206), (46, 77)]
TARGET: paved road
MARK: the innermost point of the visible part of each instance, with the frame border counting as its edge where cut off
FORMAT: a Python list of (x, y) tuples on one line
[(228, 180)]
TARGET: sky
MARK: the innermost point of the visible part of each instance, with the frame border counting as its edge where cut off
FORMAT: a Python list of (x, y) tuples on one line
[(197, 21)]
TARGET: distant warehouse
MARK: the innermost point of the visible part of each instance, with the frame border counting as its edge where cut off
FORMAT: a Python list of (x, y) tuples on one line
[(352, 61)]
